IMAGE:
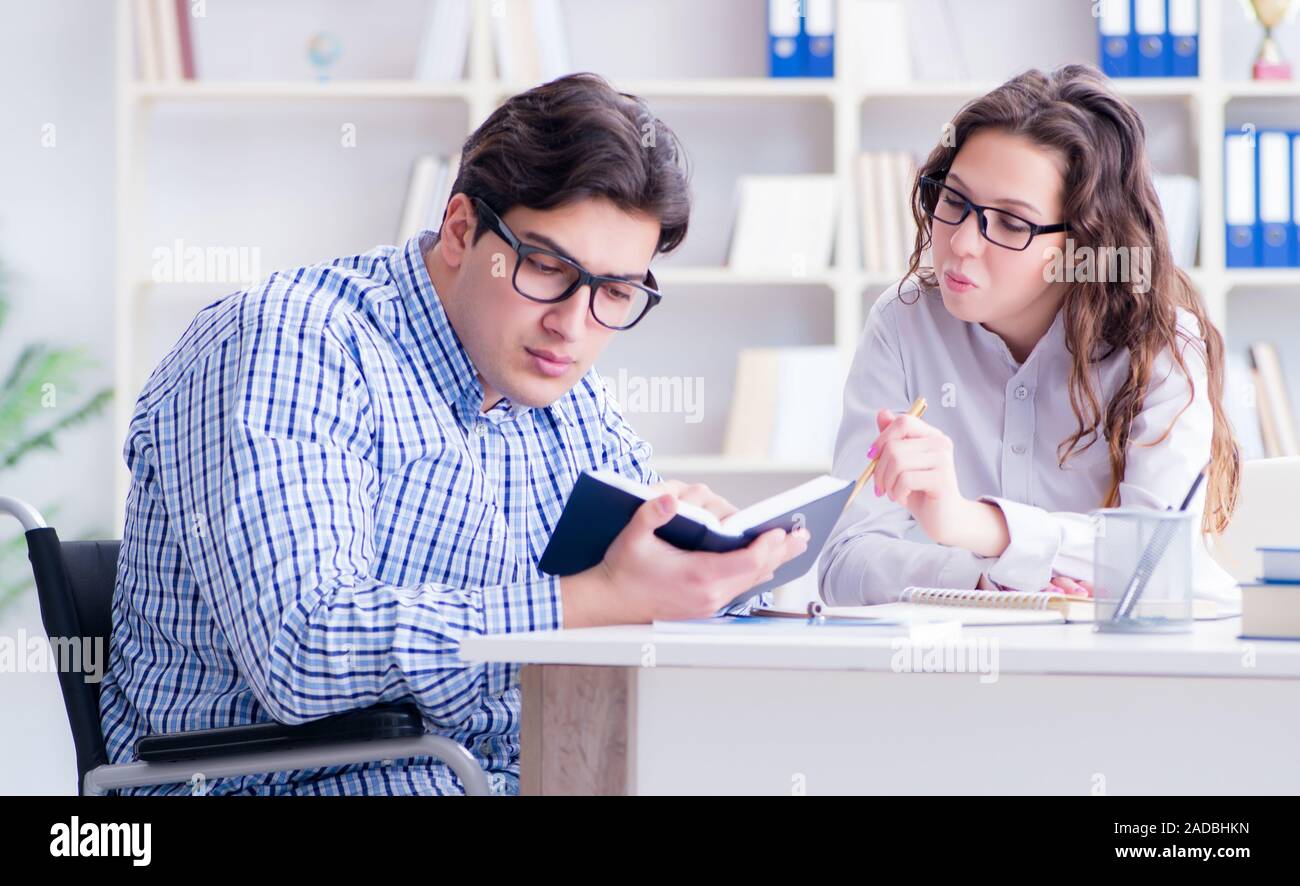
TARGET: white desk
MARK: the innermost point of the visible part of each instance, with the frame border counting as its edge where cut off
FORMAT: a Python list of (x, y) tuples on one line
[(836, 710)]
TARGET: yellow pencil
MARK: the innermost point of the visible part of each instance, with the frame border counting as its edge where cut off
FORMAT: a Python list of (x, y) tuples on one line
[(917, 410)]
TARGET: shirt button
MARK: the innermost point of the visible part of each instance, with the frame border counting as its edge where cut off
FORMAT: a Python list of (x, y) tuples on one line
[(480, 429), (1018, 449), (1022, 392)]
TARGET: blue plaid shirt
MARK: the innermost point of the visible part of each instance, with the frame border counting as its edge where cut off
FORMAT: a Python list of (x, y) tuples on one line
[(319, 512)]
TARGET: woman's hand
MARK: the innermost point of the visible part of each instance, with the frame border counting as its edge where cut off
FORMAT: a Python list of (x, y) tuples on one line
[(1062, 584), (914, 468)]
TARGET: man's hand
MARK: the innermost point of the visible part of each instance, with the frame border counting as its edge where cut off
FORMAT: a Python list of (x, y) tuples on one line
[(644, 578)]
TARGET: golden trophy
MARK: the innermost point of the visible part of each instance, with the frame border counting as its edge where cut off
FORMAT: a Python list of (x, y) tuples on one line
[(1269, 64)]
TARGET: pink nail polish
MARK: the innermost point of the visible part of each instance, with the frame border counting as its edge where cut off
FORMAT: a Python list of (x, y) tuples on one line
[(871, 453)]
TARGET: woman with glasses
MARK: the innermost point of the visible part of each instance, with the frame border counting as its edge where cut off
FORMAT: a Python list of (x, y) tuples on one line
[(1067, 363)]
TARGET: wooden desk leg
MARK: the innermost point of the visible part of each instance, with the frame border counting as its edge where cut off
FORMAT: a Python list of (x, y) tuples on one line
[(576, 730)]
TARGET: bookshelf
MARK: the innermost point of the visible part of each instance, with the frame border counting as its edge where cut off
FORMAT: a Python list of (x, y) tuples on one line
[(734, 120)]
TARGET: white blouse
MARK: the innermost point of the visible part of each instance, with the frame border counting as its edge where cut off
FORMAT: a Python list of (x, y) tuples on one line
[(1006, 420)]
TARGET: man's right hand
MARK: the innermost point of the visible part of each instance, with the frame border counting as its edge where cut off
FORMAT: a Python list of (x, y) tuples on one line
[(644, 578)]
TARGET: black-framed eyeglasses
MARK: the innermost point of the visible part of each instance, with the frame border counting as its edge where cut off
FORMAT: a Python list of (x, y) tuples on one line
[(544, 276), (999, 227)]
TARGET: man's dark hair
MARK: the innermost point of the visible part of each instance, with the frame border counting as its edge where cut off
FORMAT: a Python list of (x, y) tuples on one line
[(577, 138)]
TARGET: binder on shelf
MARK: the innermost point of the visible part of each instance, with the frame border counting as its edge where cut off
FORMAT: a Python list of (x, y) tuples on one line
[(1240, 217), (1149, 24), (1184, 38), (818, 49), (1273, 162), (784, 39), (1115, 38), (1293, 253)]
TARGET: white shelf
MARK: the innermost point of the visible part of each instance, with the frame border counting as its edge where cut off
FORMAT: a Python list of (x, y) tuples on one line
[(727, 88), (1262, 278), (1131, 87), (674, 465), (724, 276), (296, 90)]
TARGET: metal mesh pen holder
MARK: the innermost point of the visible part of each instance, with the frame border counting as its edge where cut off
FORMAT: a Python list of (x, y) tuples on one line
[(1143, 570)]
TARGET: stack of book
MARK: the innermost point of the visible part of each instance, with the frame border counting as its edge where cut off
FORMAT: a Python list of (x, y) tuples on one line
[(427, 194), (785, 224), (1273, 405), (1261, 214), (885, 181), (530, 42), (786, 404), (1270, 608), (446, 41), (801, 38), (164, 46), (1149, 38)]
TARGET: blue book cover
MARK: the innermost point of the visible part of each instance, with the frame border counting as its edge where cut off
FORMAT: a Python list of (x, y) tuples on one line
[(1154, 56), (1184, 37), (1116, 51), (602, 503), (818, 48), (1273, 195), (1241, 248), (784, 36)]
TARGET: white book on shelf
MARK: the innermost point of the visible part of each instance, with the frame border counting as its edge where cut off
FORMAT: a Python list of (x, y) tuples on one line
[(514, 35), (552, 45), (785, 224), (1180, 203), (169, 36), (446, 41), (1273, 399), (419, 191), (875, 47), (1241, 403), (447, 170), (904, 166), (873, 259), (890, 195), (146, 44), (786, 404)]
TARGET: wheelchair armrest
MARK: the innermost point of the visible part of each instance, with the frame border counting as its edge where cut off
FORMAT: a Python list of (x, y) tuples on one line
[(382, 721)]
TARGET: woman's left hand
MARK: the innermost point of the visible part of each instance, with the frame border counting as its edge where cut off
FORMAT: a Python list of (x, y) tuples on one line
[(915, 469)]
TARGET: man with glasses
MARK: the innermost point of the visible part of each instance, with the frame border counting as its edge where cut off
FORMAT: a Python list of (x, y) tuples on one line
[(341, 472)]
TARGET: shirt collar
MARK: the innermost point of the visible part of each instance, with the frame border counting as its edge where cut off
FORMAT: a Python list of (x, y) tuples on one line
[(1054, 334), (445, 357)]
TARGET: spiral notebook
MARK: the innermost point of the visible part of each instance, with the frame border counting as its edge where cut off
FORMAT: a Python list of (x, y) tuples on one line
[(971, 607)]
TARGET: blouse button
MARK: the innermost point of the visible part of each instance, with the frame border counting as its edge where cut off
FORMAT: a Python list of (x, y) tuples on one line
[(1022, 392), (1018, 449)]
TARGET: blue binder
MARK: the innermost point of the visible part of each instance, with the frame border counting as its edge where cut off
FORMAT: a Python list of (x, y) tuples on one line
[(1115, 38), (1239, 192), (1184, 38), (784, 36), (818, 38), (1293, 253), (1273, 196), (1154, 58)]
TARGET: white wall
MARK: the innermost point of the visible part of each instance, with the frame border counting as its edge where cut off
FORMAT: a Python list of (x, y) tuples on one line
[(56, 243)]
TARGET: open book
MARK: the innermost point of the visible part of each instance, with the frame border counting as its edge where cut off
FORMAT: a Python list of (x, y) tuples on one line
[(972, 607), (602, 503)]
